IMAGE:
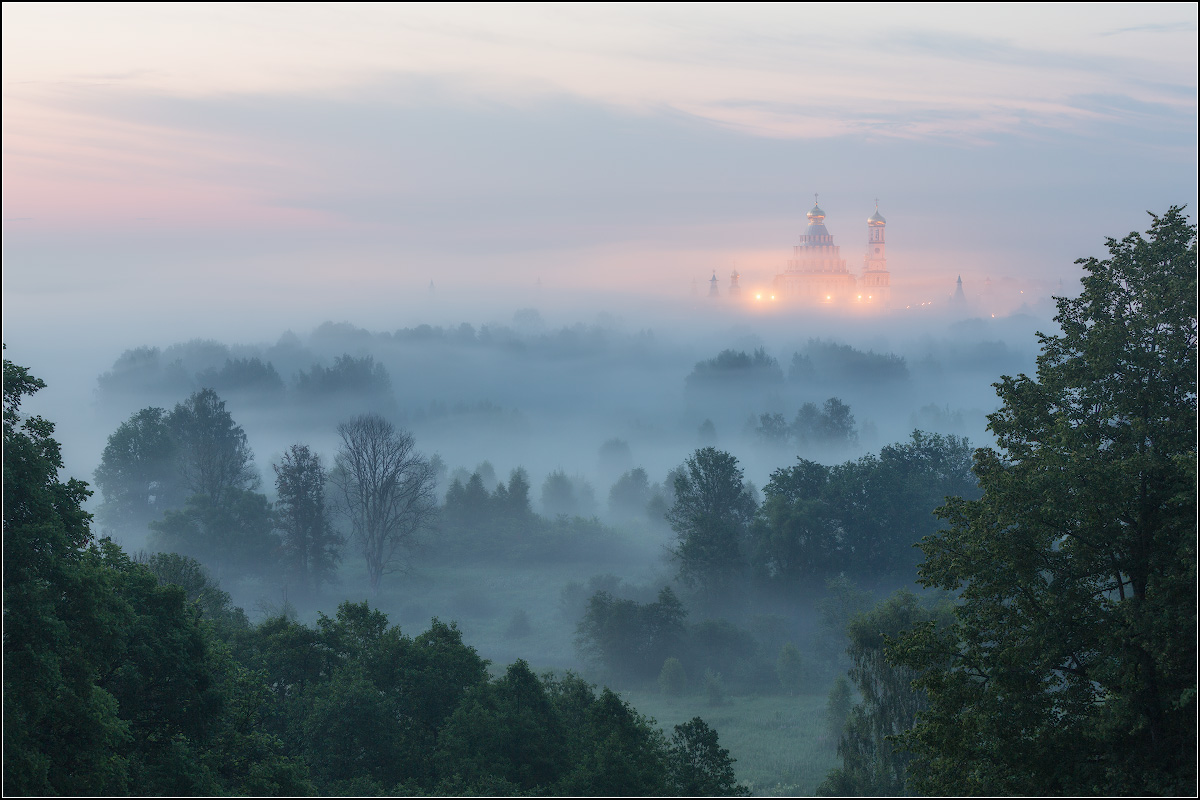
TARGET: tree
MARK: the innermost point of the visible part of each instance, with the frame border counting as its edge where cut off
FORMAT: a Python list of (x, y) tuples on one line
[(311, 547), (872, 765), (630, 639), (232, 537), (214, 456), (386, 490), (710, 516), (699, 766), (629, 495), (1070, 666), (48, 669), (138, 472), (111, 683), (831, 425)]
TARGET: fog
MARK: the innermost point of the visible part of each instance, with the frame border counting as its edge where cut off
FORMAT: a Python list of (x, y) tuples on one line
[(541, 386), (544, 387)]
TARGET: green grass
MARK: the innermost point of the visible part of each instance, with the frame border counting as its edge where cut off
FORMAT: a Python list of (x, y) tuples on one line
[(780, 743)]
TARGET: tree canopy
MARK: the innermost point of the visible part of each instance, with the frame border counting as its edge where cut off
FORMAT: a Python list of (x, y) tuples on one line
[(1070, 667)]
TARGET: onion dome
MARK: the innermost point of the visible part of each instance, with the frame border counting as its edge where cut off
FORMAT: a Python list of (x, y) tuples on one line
[(876, 218), (816, 215)]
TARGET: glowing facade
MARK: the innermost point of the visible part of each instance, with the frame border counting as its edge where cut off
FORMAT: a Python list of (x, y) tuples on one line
[(817, 273)]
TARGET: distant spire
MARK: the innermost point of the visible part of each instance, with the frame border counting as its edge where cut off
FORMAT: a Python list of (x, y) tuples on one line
[(712, 285)]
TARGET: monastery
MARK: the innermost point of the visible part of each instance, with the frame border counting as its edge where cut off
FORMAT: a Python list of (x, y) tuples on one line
[(817, 273)]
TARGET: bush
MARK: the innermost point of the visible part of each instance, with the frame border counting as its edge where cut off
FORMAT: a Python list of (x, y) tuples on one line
[(518, 625), (672, 680), (789, 668), (714, 688)]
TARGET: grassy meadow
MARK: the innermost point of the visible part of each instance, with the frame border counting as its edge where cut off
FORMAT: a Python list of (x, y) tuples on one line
[(781, 743)]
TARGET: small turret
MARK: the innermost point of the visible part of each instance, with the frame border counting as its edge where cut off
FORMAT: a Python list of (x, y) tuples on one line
[(712, 285)]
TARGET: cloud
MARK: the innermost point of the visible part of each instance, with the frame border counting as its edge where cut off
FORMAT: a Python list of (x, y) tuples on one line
[(1187, 26)]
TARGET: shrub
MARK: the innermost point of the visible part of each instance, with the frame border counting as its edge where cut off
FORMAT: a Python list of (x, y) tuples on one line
[(672, 680), (714, 688), (789, 668)]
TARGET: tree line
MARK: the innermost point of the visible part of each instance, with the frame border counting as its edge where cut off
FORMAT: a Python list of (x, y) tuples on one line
[(126, 676)]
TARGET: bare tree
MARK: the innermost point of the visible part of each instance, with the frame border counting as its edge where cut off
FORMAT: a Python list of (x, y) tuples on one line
[(385, 488)]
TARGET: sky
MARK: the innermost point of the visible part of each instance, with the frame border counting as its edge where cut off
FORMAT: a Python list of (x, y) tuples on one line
[(175, 170)]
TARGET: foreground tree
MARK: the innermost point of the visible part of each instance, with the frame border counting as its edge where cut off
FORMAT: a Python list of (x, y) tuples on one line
[(1070, 668), (385, 488), (112, 685), (311, 547)]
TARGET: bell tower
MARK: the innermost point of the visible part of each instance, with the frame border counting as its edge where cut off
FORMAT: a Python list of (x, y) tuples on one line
[(876, 281)]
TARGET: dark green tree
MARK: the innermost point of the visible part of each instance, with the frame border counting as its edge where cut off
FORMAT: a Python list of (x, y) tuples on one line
[(631, 640), (62, 733), (138, 473), (233, 537), (872, 764), (112, 683), (310, 546), (1071, 665), (710, 517), (699, 766)]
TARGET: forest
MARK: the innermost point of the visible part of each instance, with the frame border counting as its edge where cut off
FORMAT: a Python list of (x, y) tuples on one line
[(801, 545)]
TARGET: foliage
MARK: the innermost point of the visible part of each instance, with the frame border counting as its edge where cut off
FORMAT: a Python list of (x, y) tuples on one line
[(614, 458), (714, 688), (789, 668), (831, 425), (233, 536), (672, 679), (214, 458), (564, 496), (735, 368), (112, 684), (837, 709), (138, 473), (842, 364), (631, 640), (863, 516), (630, 494), (310, 546), (710, 517), (199, 587), (872, 764), (700, 767), (1070, 665), (245, 375), (385, 489), (348, 376)]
